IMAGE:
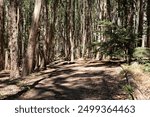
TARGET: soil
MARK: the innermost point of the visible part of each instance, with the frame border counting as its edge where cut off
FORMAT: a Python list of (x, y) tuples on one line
[(80, 80)]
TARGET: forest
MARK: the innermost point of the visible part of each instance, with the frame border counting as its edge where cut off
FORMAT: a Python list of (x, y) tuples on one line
[(75, 49)]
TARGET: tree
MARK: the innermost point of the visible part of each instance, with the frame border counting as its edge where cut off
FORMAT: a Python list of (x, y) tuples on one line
[(67, 29), (29, 63), (140, 23), (84, 32), (71, 37), (148, 23), (1, 34), (14, 73)]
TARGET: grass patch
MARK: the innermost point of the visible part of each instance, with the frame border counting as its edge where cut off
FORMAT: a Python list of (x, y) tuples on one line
[(146, 67), (129, 89), (137, 76)]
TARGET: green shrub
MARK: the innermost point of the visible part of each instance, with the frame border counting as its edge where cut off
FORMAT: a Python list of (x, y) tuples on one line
[(120, 41), (142, 55), (147, 67)]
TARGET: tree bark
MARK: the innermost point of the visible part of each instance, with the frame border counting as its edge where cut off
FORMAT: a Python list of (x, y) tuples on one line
[(84, 33), (139, 22), (148, 23), (71, 29), (28, 65), (1, 34), (14, 73)]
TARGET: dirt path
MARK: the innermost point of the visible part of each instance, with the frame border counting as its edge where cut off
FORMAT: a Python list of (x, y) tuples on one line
[(63, 80)]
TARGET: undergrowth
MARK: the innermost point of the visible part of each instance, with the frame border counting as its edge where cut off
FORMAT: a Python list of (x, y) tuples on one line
[(146, 67), (134, 73)]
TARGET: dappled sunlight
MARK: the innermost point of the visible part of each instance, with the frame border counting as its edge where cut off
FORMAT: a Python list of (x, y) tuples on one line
[(72, 81)]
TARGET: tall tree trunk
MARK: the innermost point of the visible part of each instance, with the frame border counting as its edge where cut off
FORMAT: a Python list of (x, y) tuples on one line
[(67, 31), (1, 34), (7, 33), (84, 33), (14, 73), (71, 29), (131, 28), (139, 22), (52, 31), (28, 65), (148, 23), (140, 26), (47, 36)]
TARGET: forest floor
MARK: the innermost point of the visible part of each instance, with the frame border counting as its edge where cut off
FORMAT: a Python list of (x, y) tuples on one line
[(80, 80)]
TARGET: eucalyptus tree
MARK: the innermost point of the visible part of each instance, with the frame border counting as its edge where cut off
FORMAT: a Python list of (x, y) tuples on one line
[(14, 73), (1, 34), (148, 23), (29, 63)]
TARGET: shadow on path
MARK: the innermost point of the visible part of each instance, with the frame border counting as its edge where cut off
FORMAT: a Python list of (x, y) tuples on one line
[(65, 83)]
